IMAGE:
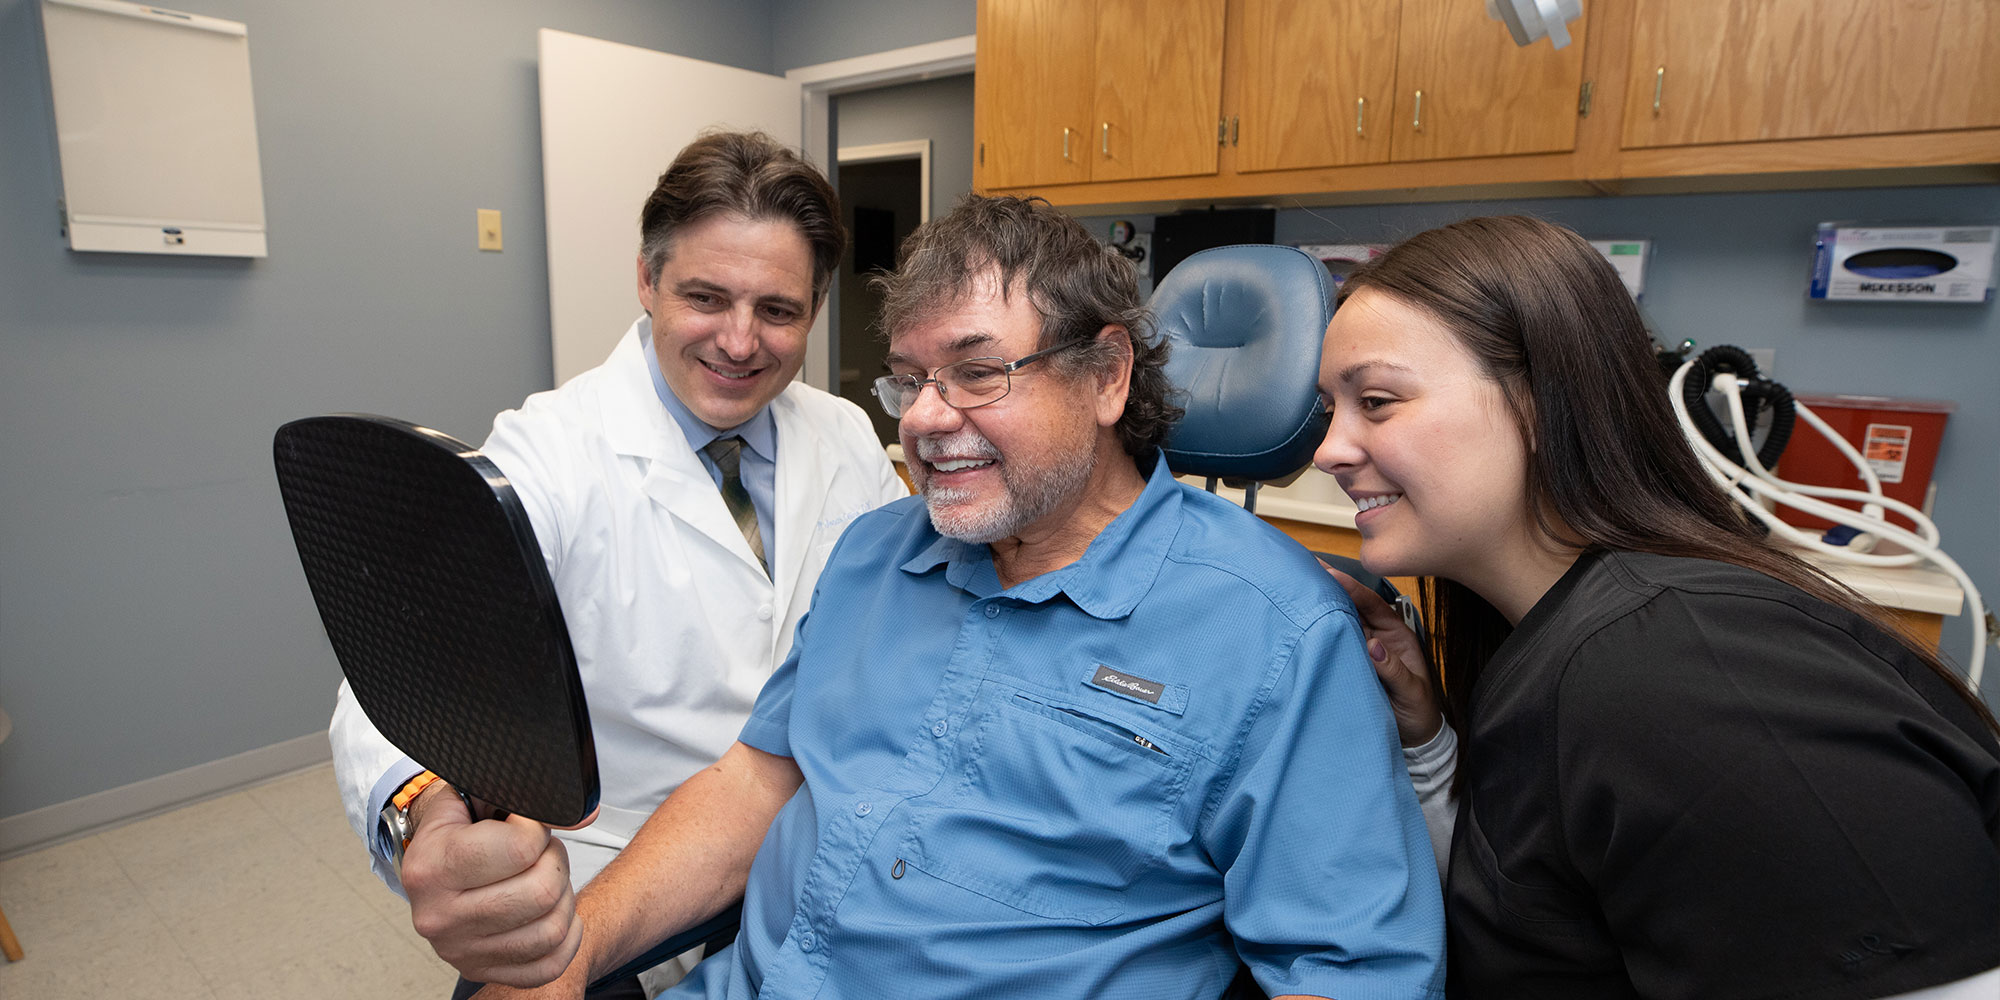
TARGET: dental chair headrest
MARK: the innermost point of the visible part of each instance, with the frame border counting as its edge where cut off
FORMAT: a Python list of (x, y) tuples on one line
[(1245, 323)]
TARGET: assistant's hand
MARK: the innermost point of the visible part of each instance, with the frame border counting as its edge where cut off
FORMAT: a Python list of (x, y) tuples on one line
[(1398, 659), (493, 898)]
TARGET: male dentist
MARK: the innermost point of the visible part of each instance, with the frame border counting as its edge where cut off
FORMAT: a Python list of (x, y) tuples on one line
[(686, 494)]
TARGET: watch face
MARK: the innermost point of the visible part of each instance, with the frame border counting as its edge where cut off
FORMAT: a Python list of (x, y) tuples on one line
[(398, 823)]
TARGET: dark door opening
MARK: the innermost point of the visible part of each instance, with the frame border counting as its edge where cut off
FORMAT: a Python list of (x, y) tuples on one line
[(883, 204)]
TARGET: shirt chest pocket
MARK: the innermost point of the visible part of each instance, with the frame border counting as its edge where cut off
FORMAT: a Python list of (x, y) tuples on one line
[(1060, 804), (1548, 911)]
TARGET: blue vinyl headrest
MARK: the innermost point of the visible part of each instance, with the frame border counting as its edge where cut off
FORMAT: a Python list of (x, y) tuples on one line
[(1245, 323)]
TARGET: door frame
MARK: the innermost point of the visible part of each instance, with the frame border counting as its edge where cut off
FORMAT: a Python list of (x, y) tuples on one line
[(881, 152), (912, 149), (818, 84)]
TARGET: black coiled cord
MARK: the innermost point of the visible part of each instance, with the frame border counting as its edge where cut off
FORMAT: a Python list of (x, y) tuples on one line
[(1758, 393)]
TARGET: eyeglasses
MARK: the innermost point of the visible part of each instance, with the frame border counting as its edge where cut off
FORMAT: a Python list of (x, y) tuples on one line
[(964, 385)]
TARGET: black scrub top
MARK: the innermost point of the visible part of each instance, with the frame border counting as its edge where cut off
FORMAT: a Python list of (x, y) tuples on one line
[(1686, 779)]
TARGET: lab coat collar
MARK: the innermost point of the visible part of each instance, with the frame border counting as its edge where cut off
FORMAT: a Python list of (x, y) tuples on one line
[(801, 483), (637, 425)]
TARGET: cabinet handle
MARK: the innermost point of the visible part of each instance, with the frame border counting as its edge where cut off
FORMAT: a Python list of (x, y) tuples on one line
[(1417, 120), (1360, 109), (1235, 129), (1065, 142), (1222, 131), (982, 154), (1104, 140), (1659, 88)]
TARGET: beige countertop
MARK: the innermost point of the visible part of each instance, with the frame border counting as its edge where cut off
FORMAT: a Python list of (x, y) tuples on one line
[(1912, 588)]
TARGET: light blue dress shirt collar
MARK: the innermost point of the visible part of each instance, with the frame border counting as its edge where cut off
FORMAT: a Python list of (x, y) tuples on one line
[(759, 461)]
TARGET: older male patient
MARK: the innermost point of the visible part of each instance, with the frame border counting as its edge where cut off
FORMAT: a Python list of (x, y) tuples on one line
[(1061, 727)]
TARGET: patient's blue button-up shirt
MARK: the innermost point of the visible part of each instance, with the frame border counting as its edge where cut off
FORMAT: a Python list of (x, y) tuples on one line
[(1117, 779)]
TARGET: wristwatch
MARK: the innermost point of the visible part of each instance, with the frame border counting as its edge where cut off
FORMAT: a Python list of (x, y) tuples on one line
[(396, 817)]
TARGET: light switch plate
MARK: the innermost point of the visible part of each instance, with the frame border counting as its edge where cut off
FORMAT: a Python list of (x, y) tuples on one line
[(489, 229)]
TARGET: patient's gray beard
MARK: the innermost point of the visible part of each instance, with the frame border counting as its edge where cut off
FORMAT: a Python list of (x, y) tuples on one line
[(1027, 496)]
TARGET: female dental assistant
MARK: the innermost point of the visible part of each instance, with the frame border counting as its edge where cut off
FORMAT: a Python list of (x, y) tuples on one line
[(1691, 766)]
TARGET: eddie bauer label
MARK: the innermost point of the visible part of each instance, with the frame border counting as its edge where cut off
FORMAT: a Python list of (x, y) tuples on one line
[(1126, 684)]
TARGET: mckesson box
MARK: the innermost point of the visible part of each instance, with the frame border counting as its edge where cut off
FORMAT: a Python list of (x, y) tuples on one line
[(1898, 438), (1904, 264)]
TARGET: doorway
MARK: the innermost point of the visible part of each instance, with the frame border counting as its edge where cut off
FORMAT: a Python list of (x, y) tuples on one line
[(819, 85), (884, 196)]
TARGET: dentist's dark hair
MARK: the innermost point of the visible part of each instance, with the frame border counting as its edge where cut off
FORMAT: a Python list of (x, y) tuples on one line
[(748, 174), (1549, 321)]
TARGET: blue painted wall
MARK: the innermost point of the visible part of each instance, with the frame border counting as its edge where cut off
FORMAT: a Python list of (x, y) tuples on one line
[(807, 32), (152, 612), (938, 110)]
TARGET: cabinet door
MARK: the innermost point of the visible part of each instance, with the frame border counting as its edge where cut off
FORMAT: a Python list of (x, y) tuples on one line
[(1707, 71), (1159, 89), (1482, 95), (1032, 93), (1315, 82)]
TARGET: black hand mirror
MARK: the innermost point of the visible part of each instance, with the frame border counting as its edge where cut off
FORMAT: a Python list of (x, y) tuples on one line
[(433, 591)]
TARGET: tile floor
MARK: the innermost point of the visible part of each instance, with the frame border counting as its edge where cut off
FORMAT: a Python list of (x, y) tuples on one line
[(263, 893)]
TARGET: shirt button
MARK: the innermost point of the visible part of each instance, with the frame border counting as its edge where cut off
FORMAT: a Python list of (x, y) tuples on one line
[(993, 611), (939, 730), (808, 942), (763, 612), (863, 809)]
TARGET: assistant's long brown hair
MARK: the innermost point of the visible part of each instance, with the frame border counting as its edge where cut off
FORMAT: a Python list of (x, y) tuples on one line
[(1551, 324)]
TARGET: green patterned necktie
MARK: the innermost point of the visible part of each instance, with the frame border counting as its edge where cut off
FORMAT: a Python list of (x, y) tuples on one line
[(727, 453)]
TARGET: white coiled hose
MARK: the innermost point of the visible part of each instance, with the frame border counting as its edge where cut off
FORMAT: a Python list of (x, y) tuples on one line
[(1921, 544)]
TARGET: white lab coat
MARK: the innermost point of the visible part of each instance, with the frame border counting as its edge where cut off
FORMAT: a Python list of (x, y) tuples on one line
[(674, 624)]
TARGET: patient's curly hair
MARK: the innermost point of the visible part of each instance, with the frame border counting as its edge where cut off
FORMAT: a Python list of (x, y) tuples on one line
[(1078, 285)]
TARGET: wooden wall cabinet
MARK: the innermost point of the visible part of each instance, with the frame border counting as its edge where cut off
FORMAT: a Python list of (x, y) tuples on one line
[(1725, 71), (1159, 87), (1032, 92), (1219, 101), (1316, 81), (1470, 91), (1073, 92), (1325, 83)]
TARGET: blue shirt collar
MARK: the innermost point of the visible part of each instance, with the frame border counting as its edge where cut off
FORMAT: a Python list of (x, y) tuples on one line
[(1111, 577), (759, 433)]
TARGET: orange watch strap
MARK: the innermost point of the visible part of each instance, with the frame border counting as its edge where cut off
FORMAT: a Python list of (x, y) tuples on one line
[(411, 789)]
